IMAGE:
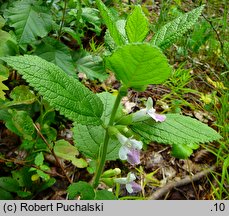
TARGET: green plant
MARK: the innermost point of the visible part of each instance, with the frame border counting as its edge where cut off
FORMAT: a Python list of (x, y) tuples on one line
[(219, 103), (24, 16), (101, 130), (179, 90), (169, 33)]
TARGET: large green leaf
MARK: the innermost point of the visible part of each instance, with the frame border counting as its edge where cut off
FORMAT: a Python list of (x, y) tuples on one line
[(182, 132), (138, 65), (88, 140), (64, 93), (30, 20), (173, 30), (56, 52), (137, 25), (110, 23)]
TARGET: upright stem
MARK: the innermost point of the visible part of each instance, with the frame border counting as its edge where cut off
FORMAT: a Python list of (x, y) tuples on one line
[(62, 20), (103, 147)]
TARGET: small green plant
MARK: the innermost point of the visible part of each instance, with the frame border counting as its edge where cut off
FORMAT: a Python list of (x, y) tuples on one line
[(218, 101), (102, 131), (179, 91)]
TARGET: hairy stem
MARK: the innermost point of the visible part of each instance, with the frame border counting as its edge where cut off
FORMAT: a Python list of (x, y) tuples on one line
[(103, 147)]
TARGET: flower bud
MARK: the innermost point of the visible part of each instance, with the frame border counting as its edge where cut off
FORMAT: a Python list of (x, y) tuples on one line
[(111, 173)]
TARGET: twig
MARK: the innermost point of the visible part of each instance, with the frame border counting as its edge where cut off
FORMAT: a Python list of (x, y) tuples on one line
[(217, 34), (53, 153), (188, 179)]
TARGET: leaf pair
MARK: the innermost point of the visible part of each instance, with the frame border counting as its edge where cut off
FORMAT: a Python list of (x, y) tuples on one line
[(137, 26), (137, 65)]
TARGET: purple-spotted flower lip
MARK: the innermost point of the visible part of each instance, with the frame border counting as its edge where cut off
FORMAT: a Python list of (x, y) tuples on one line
[(131, 185), (148, 111), (130, 149)]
